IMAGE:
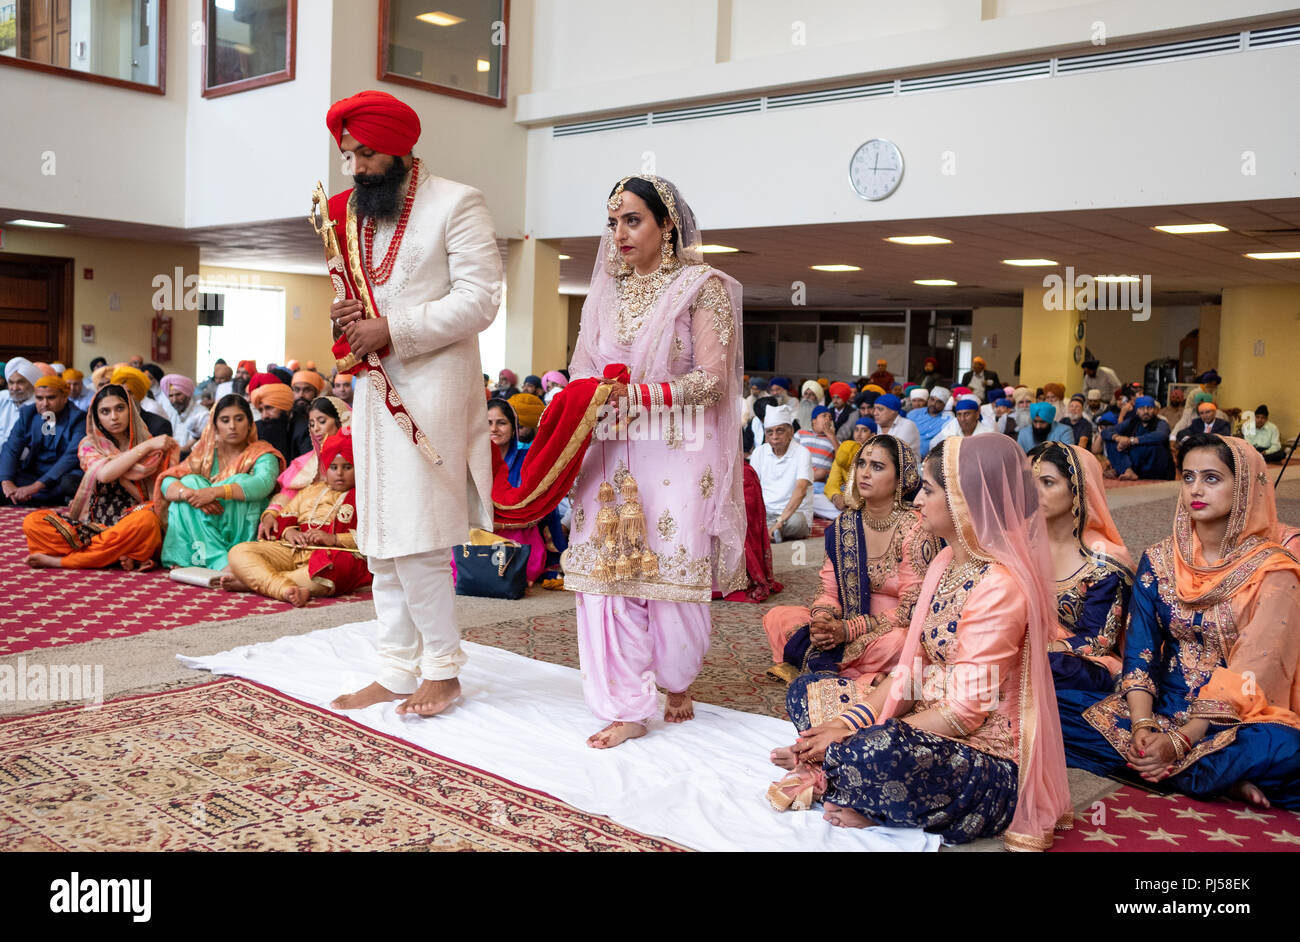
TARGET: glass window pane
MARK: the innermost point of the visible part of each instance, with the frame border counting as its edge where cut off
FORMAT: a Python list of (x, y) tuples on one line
[(796, 349), (247, 39), (760, 348), (457, 46), (114, 39)]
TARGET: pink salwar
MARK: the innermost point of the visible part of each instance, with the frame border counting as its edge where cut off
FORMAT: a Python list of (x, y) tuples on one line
[(628, 646)]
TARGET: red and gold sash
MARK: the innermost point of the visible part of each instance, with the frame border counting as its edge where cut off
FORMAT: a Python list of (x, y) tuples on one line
[(348, 275)]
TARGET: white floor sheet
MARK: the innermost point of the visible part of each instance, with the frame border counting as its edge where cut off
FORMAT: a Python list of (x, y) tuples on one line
[(701, 783)]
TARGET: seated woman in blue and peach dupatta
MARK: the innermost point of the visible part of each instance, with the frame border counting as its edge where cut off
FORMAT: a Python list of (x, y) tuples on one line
[(1093, 568), (963, 741), (546, 538), (877, 554), (1209, 701)]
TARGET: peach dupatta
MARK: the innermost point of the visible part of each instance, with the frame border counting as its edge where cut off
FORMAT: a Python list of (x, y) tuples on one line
[(993, 499), (1260, 580)]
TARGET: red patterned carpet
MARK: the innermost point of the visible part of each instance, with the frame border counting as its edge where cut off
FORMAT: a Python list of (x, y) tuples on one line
[(1133, 819), (231, 765), (44, 608)]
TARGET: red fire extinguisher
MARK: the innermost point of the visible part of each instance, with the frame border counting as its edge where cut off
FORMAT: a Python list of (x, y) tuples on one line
[(160, 344)]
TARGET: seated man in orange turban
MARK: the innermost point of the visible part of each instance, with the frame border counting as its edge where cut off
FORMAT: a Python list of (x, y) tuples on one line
[(38, 464)]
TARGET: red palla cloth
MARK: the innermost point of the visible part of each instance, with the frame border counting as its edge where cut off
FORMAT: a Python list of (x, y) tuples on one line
[(555, 456), (758, 546)]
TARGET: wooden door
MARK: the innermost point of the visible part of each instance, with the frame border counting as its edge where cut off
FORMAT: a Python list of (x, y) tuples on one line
[(45, 31), (36, 308)]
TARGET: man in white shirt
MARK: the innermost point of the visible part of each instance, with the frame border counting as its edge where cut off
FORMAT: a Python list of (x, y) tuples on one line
[(1103, 378), (188, 417), (964, 423), (784, 469), (889, 422), (21, 375)]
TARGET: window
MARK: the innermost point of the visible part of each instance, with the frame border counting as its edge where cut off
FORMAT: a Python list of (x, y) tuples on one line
[(250, 44), (112, 42), (251, 327), (453, 47)]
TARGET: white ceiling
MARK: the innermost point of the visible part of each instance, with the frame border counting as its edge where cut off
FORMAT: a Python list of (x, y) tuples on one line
[(1183, 268)]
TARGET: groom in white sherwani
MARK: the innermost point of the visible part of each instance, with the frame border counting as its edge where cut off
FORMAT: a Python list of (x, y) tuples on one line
[(428, 252)]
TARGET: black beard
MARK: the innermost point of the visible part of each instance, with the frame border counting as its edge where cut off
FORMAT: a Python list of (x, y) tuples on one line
[(379, 196), (301, 406), (1040, 436)]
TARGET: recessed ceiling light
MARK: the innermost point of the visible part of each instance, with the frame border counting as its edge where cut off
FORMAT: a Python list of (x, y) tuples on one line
[(1267, 256), (438, 18), (835, 268), (717, 249), (936, 282), (1118, 279), (36, 224), (1028, 262), (483, 65), (919, 240), (1191, 227), (565, 258)]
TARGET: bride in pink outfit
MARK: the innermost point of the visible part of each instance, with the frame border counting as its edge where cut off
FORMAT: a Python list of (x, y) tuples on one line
[(658, 511)]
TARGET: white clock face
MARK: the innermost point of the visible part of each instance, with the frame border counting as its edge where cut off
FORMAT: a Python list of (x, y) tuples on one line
[(876, 169)]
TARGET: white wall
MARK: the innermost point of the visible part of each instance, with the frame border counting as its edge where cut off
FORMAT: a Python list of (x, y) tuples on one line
[(256, 155), (119, 154), (1032, 146), (590, 57)]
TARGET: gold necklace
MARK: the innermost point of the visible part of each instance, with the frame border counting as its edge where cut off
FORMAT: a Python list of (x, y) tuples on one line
[(957, 575), (637, 294), (882, 525)]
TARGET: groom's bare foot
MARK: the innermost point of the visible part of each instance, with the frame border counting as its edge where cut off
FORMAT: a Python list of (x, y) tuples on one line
[(297, 596), (843, 817), (366, 696), (614, 734), (232, 583), (1250, 793), (783, 757), (44, 561), (679, 708), (431, 698)]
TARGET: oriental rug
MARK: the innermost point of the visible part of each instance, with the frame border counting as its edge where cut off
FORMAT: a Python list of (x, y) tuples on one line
[(1136, 819), (231, 765), (44, 608)]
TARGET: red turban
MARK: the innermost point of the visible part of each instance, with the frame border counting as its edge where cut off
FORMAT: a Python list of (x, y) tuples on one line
[(843, 390), (377, 120), (249, 366), (263, 379), (337, 445)]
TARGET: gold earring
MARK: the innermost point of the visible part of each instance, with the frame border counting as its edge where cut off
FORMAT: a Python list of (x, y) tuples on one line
[(666, 247)]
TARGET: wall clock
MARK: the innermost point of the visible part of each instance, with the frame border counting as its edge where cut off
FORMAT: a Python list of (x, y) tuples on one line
[(876, 169)]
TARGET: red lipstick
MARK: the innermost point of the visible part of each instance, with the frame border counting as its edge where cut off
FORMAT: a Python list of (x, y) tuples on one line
[(1199, 505)]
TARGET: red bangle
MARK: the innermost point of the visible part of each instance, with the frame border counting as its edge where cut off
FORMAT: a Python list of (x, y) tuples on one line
[(668, 393)]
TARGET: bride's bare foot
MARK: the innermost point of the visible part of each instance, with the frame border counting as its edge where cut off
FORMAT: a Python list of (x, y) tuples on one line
[(232, 583), (44, 561), (366, 696), (431, 697), (1249, 793), (783, 757), (679, 708), (297, 596), (136, 565), (614, 734), (843, 817)]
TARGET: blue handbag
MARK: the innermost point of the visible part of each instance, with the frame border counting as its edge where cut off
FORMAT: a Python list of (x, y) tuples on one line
[(494, 571)]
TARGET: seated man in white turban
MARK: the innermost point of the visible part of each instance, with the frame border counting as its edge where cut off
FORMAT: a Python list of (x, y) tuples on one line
[(784, 469), (21, 375)]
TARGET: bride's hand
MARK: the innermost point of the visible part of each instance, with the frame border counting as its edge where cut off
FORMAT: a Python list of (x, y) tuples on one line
[(618, 392)]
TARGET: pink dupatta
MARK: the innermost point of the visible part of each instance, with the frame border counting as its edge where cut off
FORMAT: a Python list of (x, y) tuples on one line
[(993, 499)]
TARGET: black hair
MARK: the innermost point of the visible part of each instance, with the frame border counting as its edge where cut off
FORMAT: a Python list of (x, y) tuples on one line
[(154, 370), (761, 404), (1205, 440), (97, 363), (322, 405), (746, 440), (650, 196), (1090, 364), (112, 389), (1050, 452), (934, 464), (233, 399), (1261, 409)]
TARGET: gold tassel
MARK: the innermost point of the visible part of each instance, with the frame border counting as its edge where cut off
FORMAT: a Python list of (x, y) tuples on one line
[(649, 564), (623, 569), (606, 517), (601, 572), (631, 525)]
